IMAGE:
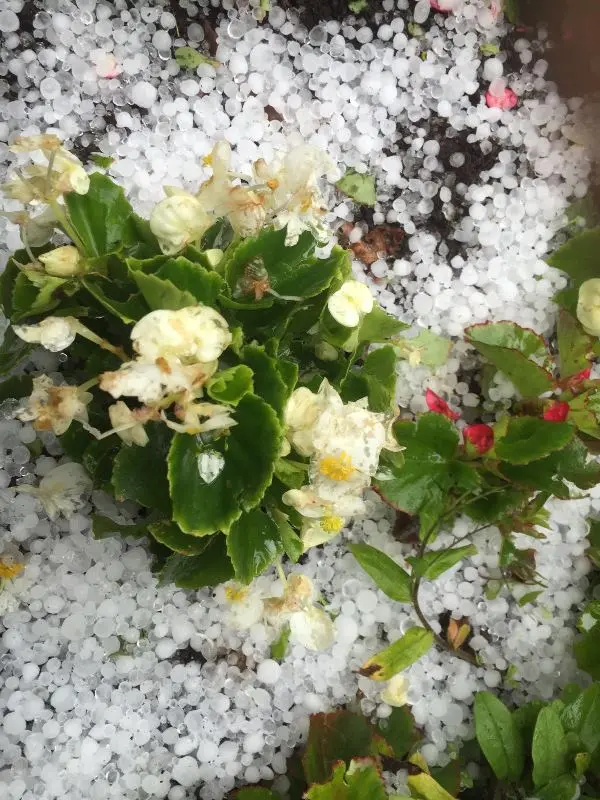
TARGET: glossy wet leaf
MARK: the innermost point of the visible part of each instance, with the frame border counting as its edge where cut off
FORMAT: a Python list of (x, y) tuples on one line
[(210, 568), (360, 187), (498, 736), (549, 748), (399, 655), (253, 543), (393, 581)]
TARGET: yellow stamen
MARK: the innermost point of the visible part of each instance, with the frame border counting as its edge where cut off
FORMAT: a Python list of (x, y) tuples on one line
[(207, 160), (338, 468), (8, 571), (332, 524), (235, 594), (273, 184)]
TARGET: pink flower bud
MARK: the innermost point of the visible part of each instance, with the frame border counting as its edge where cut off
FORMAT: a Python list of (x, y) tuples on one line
[(557, 411), (506, 100), (481, 436), (439, 406)]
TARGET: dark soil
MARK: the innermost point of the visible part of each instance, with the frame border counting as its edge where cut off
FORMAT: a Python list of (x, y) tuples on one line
[(312, 12)]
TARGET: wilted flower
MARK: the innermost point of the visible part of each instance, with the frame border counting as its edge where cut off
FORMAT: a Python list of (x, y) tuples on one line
[(396, 691), (53, 408), (319, 531), (481, 436), (439, 406), (214, 418), (301, 413), (309, 624), (178, 220), (128, 424), (63, 172), (53, 333), (47, 142), (62, 262), (556, 411), (350, 303), (588, 306), (151, 383), (61, 490), (191, 334), (310, 504), (246, 605)]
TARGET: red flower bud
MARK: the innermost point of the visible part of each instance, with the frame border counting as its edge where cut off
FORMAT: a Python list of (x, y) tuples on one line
[(439, 406), (581, 376), (480, 435), (557, 411)]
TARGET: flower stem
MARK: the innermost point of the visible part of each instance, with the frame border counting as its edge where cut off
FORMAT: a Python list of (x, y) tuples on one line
[(63, 220), (84, 331)]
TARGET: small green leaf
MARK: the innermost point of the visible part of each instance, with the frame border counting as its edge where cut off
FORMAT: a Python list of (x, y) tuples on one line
[(489, 49), (498, 736), (564, 787), (434, 563), (249, 450), (582, 764), (549, 748), (34, 294), (437, 433), (161, 293), (430, 348), (13, 350), (361, 780), (128, 309), (101, 160), (338, 736), (292, 474), (356, 6), (583, 716), (427, 787), (508, 335), (359, 187), (279, 646), (253, 544), (292, 543), (203, 284), (574, 345), (389, 577), (98, 458), (171, 535), (230, 385), (399, 655), (529, 438), (268, 380), (529, 597), (100, 217), (140, 473), (579, 257), (210, 568), (378, 326), (103, 528), (587, 651), (399, 731), (188, 58)]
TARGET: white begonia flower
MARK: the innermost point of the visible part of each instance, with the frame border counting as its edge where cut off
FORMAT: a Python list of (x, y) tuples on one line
[(350, 303), (302, 411), (62, 262), (53, 408), (62, 173), (68, 174), (128, 424), (61, 490), (588, 306), (246, 605), (215, 417), (151, 383), (311, 505), (179, 220), (47, 142), (320, 531), (309, 624), (192, 334), (395, 692), (53, 333)]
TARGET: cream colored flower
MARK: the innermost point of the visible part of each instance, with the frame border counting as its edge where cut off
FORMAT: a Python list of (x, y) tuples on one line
[(301, 414), (53, 333), (246, 605), (128, 424), (588, 306), (320, 531), (310, 504), (62, 262), (309, 624), (214, 418), (53, 408), (192, 334), (152, 383), (68, 174), (350, 303), (47, 142), (62, 173), (179, 220), (395, 692), (61, 490)]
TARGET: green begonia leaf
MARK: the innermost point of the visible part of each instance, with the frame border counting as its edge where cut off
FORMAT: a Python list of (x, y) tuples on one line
[(529, 439), (587, 651), (375, 380), (15, 387), (427, 787), (378, 326), (98, 459), (393, 581), (13, 350), (361, 780), (359, 187), (35, 293), (103, 528), (432, 349), (508, 335), (161, 293), (292, 474), (434, 563), (399, 731), (171, 535), (580, 256), (574, 345), (129, 308), (499, 737), (230, 385), (253, 544), (100, 218), (549, 748), (564, 787), (399, 655), (140, 473), (279, 646), (583, 716), (209, 568), (249, 449), (268, 381)]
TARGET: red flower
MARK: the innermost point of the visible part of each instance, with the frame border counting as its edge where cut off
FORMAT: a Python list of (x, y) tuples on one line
[(439, 406), (505, 101), (480, 435), (557, 411)]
